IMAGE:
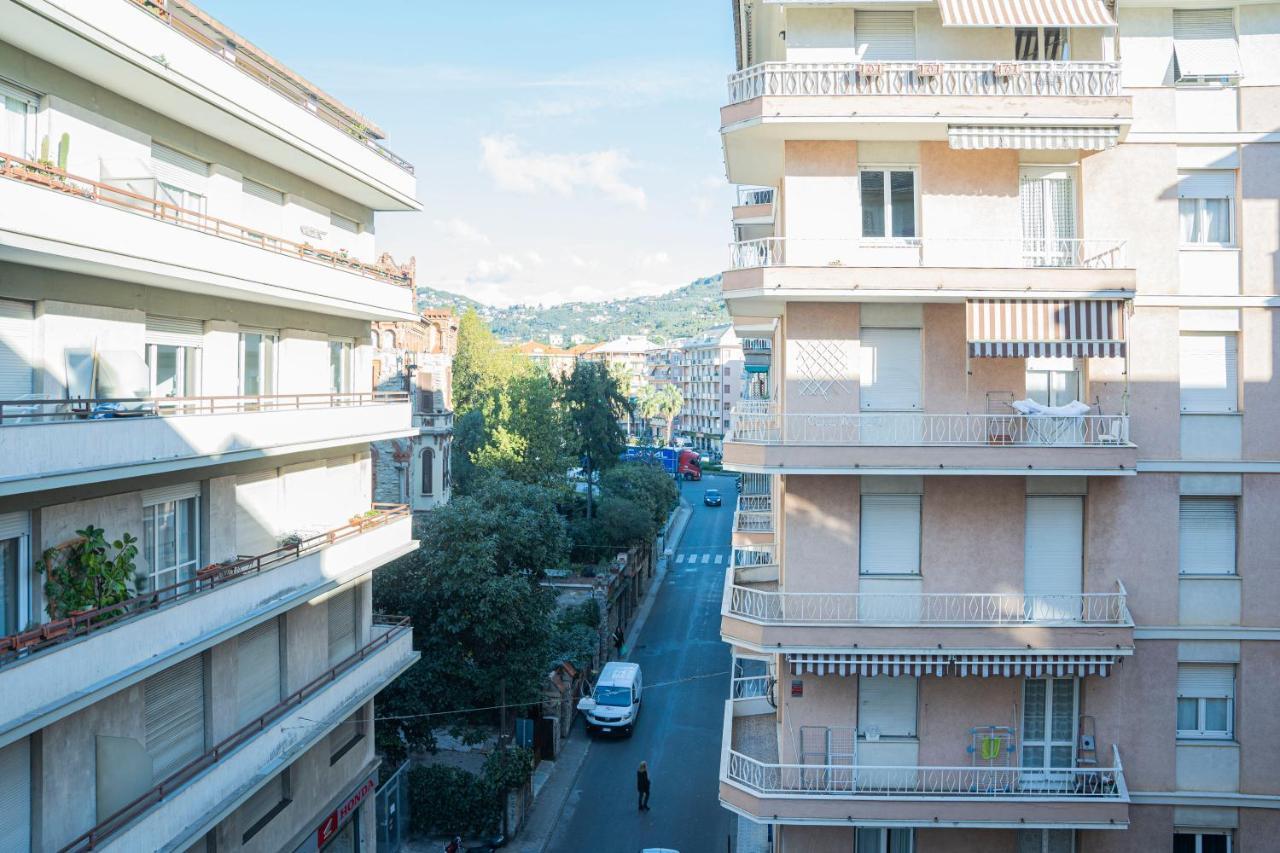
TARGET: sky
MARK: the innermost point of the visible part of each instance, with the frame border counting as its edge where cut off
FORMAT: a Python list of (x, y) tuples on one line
[(565, 150)]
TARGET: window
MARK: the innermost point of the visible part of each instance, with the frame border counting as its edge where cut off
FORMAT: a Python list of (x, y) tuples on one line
[(1207, 372), (263, 207), (884, 841), (348, 733), (180, 179), (1206, 207), (1207, 535), (342, 223), (257, 671), (887, 706), (257, 363), (339, 366), (15, 796), (1046, 841), (890, 213), (428, 472), (170, 539), (173, 716), (1204, 46), (444, 467), (1206, 699), (18, 121), (890, 370), (1047, 198), (885, 36), (173, 355), (1202, 842), (1036, 44), (342, 626), (889, 535), (265, 803), (1053, 381), (14, 531)]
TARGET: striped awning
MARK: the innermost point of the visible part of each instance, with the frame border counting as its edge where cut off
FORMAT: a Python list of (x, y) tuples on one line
[(1025, 13), (1046, 328), (982, 137), (951, 663)]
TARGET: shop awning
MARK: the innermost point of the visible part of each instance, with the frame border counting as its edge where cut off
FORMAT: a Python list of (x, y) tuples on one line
[(1025, 13), (1046, 328), (982, 137), (1031, 665)]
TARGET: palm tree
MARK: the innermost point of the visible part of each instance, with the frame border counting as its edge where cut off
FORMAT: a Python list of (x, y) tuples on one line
[(666, 402)]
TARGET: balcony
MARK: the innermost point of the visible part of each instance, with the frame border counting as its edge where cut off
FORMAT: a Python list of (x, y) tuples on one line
[(276, 738), (951, 626), (435, 423), (766, 440), (58, 443), (754, 783), (753, 520), (756, 206), (69, 663), (928, 269)]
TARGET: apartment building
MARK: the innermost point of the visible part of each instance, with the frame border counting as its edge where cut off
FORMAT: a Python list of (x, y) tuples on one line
[(416, 358), (556, 361), (1006, 581), (188, 278), (711, 382)]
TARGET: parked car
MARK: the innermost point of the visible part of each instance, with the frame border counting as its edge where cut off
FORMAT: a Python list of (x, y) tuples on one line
[(615, 703), (711, 497)]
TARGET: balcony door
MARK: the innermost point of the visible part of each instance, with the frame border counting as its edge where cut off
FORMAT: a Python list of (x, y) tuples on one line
[(1053, 557), (1049, 707), (1048, 201)]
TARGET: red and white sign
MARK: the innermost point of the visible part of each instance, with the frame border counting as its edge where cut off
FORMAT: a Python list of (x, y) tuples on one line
[(338, 817)]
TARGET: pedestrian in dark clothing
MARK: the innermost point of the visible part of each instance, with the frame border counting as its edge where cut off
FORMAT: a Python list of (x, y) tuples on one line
[(618, 639), (642, 785)]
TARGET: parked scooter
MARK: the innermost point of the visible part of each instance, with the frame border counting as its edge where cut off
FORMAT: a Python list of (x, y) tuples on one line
[(488, 846)]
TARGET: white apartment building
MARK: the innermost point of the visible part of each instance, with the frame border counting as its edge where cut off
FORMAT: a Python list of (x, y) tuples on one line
[(711, 376), (188, 278), (1004, 569)]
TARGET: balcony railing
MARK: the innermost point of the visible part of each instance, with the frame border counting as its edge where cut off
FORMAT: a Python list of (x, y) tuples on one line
[(753, 522), (941, 608), (761, 423), (433, 420), (755, 503), (757, 346), (968, 79), (53, 178), (754, 195), (1005, 253), (57, 631), (34, 410), (393, 627), (196, 27)]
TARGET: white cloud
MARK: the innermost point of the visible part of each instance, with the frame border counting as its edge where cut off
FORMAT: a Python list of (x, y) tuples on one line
[(578, 262), (515, 170), (534, 258), (496, 271), (462, 230), (655, 259)]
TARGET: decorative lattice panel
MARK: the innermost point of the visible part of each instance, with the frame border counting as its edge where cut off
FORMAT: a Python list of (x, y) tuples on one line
[(822, 367)]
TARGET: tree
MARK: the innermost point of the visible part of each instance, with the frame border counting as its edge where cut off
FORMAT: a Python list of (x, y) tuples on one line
[(526, 439), (660, 401), (483, 368), (593, 405), (645, 484)]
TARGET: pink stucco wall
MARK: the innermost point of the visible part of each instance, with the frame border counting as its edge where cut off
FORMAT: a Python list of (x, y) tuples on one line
[(968, 194), (1259, 369), (1150, 829), (1260, 551), (1260, 217), (820, 551), (1134, 708), (1257, 717), (972, 534), (1120, 512), (829, 325)]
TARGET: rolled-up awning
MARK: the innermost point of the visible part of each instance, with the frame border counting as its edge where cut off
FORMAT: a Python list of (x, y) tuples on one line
[(982, 137), (1031, 665), (1046, 328), (1025, 13)]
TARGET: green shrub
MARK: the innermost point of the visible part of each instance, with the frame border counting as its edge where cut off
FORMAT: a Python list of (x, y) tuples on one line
[(449, 800)]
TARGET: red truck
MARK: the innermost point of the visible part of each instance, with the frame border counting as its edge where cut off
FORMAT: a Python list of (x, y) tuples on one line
[(689, 465), (680, 461)]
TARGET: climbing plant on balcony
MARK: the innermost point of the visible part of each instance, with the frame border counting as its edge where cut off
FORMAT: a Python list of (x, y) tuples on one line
[(88, 572)]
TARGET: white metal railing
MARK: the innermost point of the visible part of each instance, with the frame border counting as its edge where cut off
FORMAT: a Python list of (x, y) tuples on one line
[(854, 781), (753, 522), (755, 503), (752, 555), (751, 687), (757, 346), (991, 78), (994, 253), (930, 608), (754, 195), (759, 422)]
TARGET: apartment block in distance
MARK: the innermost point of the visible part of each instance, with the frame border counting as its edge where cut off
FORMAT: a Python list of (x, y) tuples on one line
[(711, 381), (188, 280), (1004, 576)]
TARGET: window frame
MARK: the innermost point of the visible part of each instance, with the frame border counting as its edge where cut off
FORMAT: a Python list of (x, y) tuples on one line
[(1199, 836), (357, 721), (286, 798), (269, 371), (1202, 216), (345, 349), (426, 466), (882, 842), (1235, 502), (1201, 732), (887, 170), (1204, 81), (9, 89), (1040, 42), (187, 366), (153, 572)]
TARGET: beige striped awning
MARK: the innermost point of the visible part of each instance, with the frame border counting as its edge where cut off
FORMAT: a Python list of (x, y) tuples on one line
[(1046, 328), (962, 664), (983, 137), (1025, 13)]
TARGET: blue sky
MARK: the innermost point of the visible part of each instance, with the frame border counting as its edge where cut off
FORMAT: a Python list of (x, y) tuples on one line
[(564, 149)]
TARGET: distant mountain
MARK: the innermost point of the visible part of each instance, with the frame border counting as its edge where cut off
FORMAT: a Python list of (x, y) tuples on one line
[(679, 313)]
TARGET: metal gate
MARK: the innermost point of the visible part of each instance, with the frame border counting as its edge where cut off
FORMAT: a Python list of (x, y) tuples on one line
[(393, 811)]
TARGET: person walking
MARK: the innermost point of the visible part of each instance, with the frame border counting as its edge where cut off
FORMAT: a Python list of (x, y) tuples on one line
[(642, 785)]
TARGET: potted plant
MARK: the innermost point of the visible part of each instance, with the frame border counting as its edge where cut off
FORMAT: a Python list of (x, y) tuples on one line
[(87, 573)]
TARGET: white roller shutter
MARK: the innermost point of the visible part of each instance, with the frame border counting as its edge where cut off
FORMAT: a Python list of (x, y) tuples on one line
[(890, 370), (165, 494), (1206, 183), (343, 223), (257, 512), (1054, 555), (342, 627), (15, 349), (885, 36), (15, 797), (258, 671), (1207, 372), (263, 206), (887, 703), (177, 169), (14, 524), (889, 535), (1207, 536), (174, 716), (1206, 681), (1204, 43), (175, 331)]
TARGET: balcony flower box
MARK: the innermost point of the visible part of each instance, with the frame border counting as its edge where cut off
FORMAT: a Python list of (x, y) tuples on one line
[(871, 69), (928, 69), (1006, 69)]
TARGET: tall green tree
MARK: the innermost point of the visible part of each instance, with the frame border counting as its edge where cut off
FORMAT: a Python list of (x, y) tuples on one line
[(593, 404), (526, 441), (660, 401), (483, 368)]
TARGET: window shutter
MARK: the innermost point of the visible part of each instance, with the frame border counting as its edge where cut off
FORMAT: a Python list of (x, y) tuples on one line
[(258, 670), (889, 703), (1207, 372), (1054, 551), (262, 191), (1204, 43), (14, 524), (175, 331), (889, 538), (890, 370), (1206, 681), (1207, 536), (260, 804), (343, 223), (342, 627), (15, 797), (1204, 183), (177, 169), (257, 512), (165, 494), (15, 349), (174, 716), (885, 36)]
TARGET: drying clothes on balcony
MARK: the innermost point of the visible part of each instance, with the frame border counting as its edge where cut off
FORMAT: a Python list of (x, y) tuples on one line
[(1031, 408)]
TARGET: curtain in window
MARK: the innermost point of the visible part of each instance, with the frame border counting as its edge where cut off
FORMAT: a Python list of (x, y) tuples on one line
[(872, 184)]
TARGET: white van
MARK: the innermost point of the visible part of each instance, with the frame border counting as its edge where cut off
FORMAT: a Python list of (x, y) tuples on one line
[(615, 703)]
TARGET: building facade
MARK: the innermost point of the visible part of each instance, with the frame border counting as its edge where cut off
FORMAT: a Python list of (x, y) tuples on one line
[(1004, 567), (556, 361), (711, 382), (188, 278), (416, 358)]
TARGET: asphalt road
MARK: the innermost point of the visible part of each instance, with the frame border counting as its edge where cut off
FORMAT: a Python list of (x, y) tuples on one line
[(686, 674)]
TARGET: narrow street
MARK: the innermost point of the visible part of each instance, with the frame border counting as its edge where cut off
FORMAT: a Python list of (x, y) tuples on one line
[(686, 673)]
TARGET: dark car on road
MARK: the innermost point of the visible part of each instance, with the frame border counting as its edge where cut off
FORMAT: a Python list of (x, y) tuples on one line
[(711, 497)]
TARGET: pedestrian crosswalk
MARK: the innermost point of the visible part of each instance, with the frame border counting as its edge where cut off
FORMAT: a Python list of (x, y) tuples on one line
[(692, 560)]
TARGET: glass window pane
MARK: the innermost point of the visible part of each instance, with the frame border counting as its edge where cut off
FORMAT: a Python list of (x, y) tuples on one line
[(1187, 712), (1063, 708), (1038, 387), (1025, 44), (189, 531), (1184, 843), (1033, 756), (900, 840), (9, 553), (167, 535), (1188, 214), (1213, 844), (149, 540), (165, 369), (1034, 705), (251, 369), (1217, 220), (1060, 756), (1215, 715), (872, 184), (869, 840), (1055, 44), (903, 197)]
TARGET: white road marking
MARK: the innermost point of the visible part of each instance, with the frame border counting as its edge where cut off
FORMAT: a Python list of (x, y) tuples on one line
[(719, 559), (679, 558), (705, 558)]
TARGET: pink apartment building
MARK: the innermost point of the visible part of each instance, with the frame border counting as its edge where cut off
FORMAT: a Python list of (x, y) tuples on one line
[(1004, 574)]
